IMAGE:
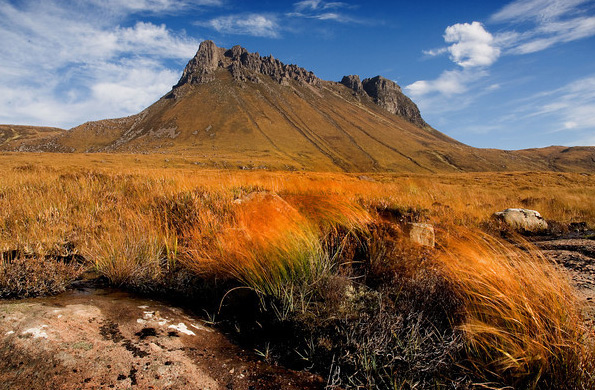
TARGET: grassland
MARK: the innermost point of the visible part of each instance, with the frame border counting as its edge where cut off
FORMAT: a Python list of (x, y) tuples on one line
[(313, 270)]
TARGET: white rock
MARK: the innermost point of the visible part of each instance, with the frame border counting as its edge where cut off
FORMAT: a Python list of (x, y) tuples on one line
[(522, 219)]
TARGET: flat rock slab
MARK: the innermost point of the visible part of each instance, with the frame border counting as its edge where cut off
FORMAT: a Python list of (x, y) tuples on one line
[(101, 339)]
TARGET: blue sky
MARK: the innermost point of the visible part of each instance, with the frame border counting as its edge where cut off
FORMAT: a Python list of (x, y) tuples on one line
[(505, 74)]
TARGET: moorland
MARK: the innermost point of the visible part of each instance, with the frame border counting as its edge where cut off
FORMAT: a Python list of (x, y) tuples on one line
[(316, 270)]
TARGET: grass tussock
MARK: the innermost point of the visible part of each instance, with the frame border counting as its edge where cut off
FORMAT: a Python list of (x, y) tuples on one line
[(522, 319)]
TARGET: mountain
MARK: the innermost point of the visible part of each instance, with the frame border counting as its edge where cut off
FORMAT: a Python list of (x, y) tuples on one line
[(238, 109)]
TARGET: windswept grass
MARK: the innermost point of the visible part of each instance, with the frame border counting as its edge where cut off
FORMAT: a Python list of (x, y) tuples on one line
[(522, 320), (342, 290)]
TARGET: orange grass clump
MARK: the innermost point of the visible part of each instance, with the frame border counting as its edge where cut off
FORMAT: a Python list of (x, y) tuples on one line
[(265, 245), (523, 321)]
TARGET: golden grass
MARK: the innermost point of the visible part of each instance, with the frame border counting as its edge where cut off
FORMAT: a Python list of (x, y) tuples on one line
[(134, 218), (523, 320)]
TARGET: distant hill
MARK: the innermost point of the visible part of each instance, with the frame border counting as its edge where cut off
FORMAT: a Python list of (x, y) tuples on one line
[(243, 110), (25, 138)]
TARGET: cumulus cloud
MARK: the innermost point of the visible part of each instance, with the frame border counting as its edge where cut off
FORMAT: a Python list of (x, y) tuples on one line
[(449, 83), (258, 25), (63, 63), (471, 45), (472, 48)]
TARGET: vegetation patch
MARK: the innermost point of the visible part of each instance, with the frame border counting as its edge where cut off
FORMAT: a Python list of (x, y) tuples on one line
[(315, 271), (29, 277)]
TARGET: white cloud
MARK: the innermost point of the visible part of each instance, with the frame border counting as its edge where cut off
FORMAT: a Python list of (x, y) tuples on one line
[(130, 87), (435, 52), (321, 10), (318, 4), (553, 33), (539, 10), (258, 25), (306, 4), (551, 22), (471, 45), (63, 63), (472, 48), (151, 6), (450, 82), (569, 108)]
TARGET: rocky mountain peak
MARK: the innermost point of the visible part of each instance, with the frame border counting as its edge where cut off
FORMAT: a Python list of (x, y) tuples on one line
[(243, 66), (251, 67)]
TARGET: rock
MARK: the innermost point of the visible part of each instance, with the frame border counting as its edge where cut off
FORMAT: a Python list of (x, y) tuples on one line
[(421, 233), (353, 82), (243, 66), (522, 219), (202, 67), (388, 95)]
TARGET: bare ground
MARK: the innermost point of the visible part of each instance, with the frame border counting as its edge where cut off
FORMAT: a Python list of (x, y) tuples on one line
[(577, 257), (102, 339)]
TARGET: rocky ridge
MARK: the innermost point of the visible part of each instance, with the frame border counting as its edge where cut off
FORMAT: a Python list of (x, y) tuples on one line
[(250, 67), (388, 95), (243, 66)]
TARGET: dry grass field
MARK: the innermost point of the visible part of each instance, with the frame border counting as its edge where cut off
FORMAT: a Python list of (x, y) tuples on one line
[(321, 261)]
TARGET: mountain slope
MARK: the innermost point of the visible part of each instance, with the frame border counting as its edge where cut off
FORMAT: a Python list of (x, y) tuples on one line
[(24, 138), (237, 108)]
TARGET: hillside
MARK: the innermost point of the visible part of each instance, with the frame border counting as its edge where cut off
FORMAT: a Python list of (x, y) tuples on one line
[(237, 109), (25, 138)]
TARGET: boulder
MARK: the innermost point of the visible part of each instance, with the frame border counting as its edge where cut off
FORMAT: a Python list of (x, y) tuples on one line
[(522, 219), (421, 233)]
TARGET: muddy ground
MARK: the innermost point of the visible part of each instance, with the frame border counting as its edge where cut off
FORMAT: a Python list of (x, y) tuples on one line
[(576, 256), (105, 339)]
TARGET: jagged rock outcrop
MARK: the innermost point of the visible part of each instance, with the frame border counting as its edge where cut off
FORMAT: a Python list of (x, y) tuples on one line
[(353, 82), (243, 66), (388, 95), (202, 67)]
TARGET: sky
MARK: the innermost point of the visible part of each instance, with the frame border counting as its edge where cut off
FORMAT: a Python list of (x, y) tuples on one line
[(492, 74)]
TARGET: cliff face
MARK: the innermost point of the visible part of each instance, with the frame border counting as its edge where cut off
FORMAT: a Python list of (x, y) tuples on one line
[(388, 95), (251, 67)]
